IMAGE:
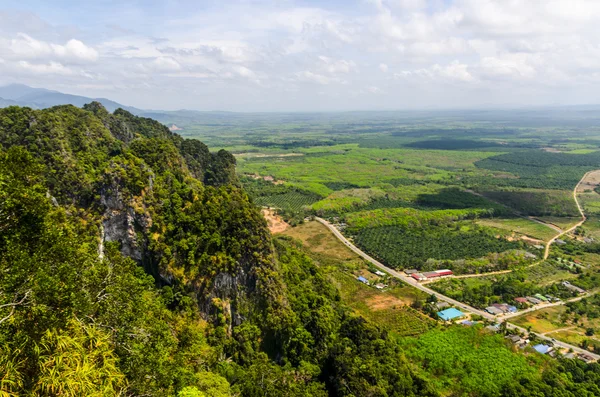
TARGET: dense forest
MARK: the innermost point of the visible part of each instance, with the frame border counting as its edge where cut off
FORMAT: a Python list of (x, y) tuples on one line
[(133, 264)]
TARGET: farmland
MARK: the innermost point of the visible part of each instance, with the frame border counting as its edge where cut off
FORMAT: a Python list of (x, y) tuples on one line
[(468, 193), (391, 306)]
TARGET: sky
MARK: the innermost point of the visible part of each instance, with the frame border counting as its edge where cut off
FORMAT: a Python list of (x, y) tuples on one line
[(307, 55)]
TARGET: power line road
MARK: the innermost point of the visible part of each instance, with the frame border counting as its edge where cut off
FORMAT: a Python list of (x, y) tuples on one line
[(415, 284)]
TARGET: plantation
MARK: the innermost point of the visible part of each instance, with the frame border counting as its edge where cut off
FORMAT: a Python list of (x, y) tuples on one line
[(405, 246)]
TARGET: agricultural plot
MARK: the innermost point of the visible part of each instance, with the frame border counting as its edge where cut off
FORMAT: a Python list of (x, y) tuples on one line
[(544, 278), (557, 203), (390, 307), (406, 247), (521, 226), (576, 323)]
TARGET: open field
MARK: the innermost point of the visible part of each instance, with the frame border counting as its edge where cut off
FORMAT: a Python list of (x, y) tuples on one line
[(521, 226)]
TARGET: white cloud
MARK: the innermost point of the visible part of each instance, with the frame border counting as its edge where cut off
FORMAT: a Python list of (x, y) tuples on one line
[(165, 64), (337, 66), (311, 77), (51, 68), (26, 47), (251, 55), (454, 71)]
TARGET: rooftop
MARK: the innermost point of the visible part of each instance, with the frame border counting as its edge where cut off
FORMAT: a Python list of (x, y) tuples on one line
[(450, 314)]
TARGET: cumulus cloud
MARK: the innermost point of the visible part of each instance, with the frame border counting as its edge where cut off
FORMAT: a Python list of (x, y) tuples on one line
[(26, 47), (281, 55)]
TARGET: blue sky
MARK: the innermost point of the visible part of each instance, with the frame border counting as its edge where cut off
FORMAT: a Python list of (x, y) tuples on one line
[(307, 55)]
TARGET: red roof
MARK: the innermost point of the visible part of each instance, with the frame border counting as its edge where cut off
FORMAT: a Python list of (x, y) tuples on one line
[(521, 300)]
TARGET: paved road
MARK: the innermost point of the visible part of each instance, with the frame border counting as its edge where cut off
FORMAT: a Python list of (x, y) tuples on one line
[(409, 280)]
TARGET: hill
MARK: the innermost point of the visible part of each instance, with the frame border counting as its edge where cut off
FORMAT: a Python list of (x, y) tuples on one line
[(133, 263), (41, 98)]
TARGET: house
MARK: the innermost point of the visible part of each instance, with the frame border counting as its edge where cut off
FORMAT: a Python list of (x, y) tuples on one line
[(418, 276), (467, 323), (588, 240), (514, 338), (381, 286), (586, 358), (493, 328), (521, 300), (540, 247), (379, 273), (363, 280), (529, 255), (444, 272), (560, 242), (450, 314), (512, 309), (543, 349), (442, 305), (533, 300), (493, 310), (572, 287), (431, 274), (410, 271), (541, 297)]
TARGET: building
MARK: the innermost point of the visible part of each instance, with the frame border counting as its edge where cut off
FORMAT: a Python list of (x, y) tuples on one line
[(572, 287), (529, 255), (533, 300), (418, 276), (560, 242), (450, 314), (381, 286), (540, 247), (541, 297), (543, 349), (514, 338), (521, 300), (468, 323), (493, 310), (493, 328), (410, 271), (363, 280), (379, 273), (442, 305)]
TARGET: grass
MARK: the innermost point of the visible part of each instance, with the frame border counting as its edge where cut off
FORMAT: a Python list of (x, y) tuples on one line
[(521, 226), (562, 222), (544, 320)]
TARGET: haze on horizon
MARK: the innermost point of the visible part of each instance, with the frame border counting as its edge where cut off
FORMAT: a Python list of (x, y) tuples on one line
[(307, 55)]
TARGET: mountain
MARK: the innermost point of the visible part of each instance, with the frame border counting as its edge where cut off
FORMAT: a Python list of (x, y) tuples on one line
[(133, 263), (40, 98)]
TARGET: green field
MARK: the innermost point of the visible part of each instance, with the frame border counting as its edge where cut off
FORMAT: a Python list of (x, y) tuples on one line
[(417, 192), (521, 226)]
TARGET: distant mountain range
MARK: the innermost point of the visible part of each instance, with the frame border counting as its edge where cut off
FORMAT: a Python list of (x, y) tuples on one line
[(40, 98), (558, 115)]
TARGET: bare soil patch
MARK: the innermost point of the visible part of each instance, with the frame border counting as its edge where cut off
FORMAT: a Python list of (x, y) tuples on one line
[(275, 222), (590, 182), (383, 302)]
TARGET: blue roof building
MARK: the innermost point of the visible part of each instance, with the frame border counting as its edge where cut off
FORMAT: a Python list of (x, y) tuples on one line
[(543, 349), (363, 280), (450, 314)]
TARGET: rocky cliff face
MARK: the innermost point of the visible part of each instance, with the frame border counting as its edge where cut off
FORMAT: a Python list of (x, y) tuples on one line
[(170, 204)]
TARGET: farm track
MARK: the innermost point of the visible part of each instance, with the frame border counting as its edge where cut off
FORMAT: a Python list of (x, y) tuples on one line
[(412, 282)]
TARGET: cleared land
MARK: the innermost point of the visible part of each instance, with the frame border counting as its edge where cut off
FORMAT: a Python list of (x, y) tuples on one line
[(521, 226)]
